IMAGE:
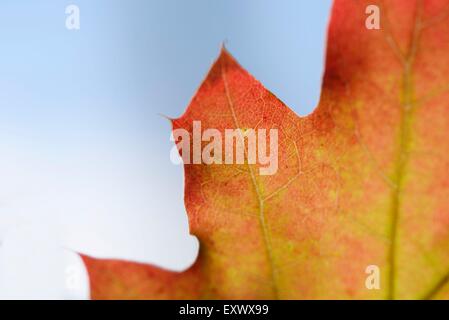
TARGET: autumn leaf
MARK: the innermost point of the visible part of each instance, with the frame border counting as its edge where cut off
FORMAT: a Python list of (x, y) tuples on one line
[(362, 181)]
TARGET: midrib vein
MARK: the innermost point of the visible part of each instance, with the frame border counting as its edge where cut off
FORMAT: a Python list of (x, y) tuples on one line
[(261, 215), (402, 158)]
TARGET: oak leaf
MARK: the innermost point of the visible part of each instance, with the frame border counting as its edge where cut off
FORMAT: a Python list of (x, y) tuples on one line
[(361, 181)]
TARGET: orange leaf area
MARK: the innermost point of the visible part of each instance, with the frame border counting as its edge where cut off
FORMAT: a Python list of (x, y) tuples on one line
[(362, 181)]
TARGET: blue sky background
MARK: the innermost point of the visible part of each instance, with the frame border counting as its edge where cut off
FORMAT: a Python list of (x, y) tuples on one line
[(85, 156)]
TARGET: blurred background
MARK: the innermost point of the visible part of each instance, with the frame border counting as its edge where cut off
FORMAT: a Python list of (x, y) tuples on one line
[(85, 163)]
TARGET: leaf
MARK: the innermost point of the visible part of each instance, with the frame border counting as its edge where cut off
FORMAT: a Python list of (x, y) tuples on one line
[(363, 180)]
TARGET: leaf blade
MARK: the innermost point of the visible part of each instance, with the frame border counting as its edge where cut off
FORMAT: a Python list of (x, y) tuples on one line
[(361, 180)]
